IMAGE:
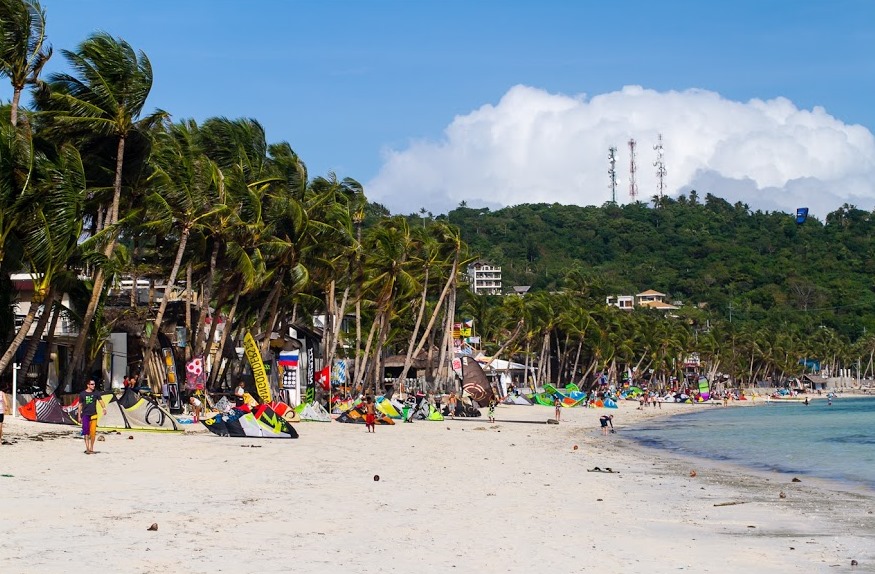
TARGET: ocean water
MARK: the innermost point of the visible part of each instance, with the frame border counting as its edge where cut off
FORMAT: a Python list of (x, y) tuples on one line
[(835, 442)]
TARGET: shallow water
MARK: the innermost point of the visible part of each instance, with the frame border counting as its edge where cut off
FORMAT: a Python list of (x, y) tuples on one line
[(835, 442)]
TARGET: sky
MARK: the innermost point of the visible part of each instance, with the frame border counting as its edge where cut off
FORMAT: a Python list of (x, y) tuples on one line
[(501, 102)]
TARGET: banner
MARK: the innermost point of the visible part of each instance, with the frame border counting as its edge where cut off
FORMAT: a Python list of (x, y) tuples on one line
[(262, 385), (311, 374), (195, 375)]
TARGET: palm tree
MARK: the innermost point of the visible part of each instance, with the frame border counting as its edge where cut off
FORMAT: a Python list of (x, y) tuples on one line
[(446, 241), (16, 181), (104, 97), (184, 182), (22, 57), (49, 231), (388, 276)]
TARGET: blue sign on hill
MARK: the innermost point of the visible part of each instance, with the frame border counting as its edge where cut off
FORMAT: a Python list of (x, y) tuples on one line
[(801, 215)]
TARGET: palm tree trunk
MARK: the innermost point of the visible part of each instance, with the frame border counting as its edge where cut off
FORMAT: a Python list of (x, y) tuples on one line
[(100, 277), (408, 358), (201, 342), (50, 337), (364, 362), (22, 332), (264, 311), (214, 324), (168, 289), (33, 344), (451, 281), (358, 340), (217, 362), (134, 276), (189, 295), (517, 330), (379, 382), (16, 98), (576, 360)]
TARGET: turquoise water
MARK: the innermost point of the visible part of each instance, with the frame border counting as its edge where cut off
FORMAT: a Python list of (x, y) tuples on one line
[(834, 442)]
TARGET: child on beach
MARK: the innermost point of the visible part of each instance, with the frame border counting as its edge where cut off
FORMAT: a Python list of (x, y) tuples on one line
[(491, 411), (370, 414), (557, 407), (451, 405), (606, 420), (196, 406)]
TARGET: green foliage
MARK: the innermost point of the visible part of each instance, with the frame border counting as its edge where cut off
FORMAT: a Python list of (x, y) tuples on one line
[(762, 264)]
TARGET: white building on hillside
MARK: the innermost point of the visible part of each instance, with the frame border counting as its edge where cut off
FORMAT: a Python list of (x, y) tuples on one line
[(485, 278)]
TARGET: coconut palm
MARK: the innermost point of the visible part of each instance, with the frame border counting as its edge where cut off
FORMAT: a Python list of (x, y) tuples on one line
[(16, 181), (22, 53), (184, 183), (103, 97), (49, 230)]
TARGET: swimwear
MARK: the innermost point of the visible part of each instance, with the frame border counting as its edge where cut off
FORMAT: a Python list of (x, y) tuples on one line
[(370, 418), (87, 422)]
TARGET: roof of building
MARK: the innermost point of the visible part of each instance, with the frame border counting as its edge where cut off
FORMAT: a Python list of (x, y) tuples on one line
[(521, 289), (651, 293)]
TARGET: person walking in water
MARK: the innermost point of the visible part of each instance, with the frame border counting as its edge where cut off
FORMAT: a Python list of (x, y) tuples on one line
[(88, 401), (370, 414)]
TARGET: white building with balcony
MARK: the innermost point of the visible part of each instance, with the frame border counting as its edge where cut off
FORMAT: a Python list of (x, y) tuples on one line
[(485, 279)]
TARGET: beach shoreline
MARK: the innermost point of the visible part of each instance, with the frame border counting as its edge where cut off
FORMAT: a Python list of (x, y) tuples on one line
[(457, 495)]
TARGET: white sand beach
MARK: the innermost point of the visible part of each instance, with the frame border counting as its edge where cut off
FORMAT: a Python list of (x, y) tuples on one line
[(454, 496)]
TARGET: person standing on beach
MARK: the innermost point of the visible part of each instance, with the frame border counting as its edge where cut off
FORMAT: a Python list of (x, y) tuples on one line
[(451, 404), (557, 405), (370, 414), (88, 401), (491, 410), (606, 420)]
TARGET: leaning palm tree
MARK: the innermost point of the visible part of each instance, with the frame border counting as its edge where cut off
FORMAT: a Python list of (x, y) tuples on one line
[(103, 97), (49, 233), (22, 57), (16, 181), (183, 183)]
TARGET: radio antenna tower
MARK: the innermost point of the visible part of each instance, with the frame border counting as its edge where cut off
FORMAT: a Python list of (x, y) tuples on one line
[(633, 186), (612, 172), (659, 164)]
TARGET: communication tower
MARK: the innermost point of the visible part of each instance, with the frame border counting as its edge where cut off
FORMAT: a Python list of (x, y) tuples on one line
[(660, 167), (612, 172), (633, 185)]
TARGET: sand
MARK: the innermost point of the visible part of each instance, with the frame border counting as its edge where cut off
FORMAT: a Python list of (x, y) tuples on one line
[(455, 496)]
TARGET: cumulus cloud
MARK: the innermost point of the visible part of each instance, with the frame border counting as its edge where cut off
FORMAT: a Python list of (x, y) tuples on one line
[(534, 146)]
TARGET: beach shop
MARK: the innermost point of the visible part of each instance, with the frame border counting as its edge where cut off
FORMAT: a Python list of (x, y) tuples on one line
[(813, 383)]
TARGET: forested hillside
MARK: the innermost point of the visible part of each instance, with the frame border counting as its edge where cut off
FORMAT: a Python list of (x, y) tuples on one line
[(757, 266)]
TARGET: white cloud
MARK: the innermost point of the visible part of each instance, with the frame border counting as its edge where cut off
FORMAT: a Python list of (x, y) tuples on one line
[(534, 147)]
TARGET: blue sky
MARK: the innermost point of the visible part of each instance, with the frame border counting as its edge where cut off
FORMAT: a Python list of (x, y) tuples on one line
[(502, 102)]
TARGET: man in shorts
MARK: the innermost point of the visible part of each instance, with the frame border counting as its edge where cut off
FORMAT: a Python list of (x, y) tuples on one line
[(370, 414), (88, 401)]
